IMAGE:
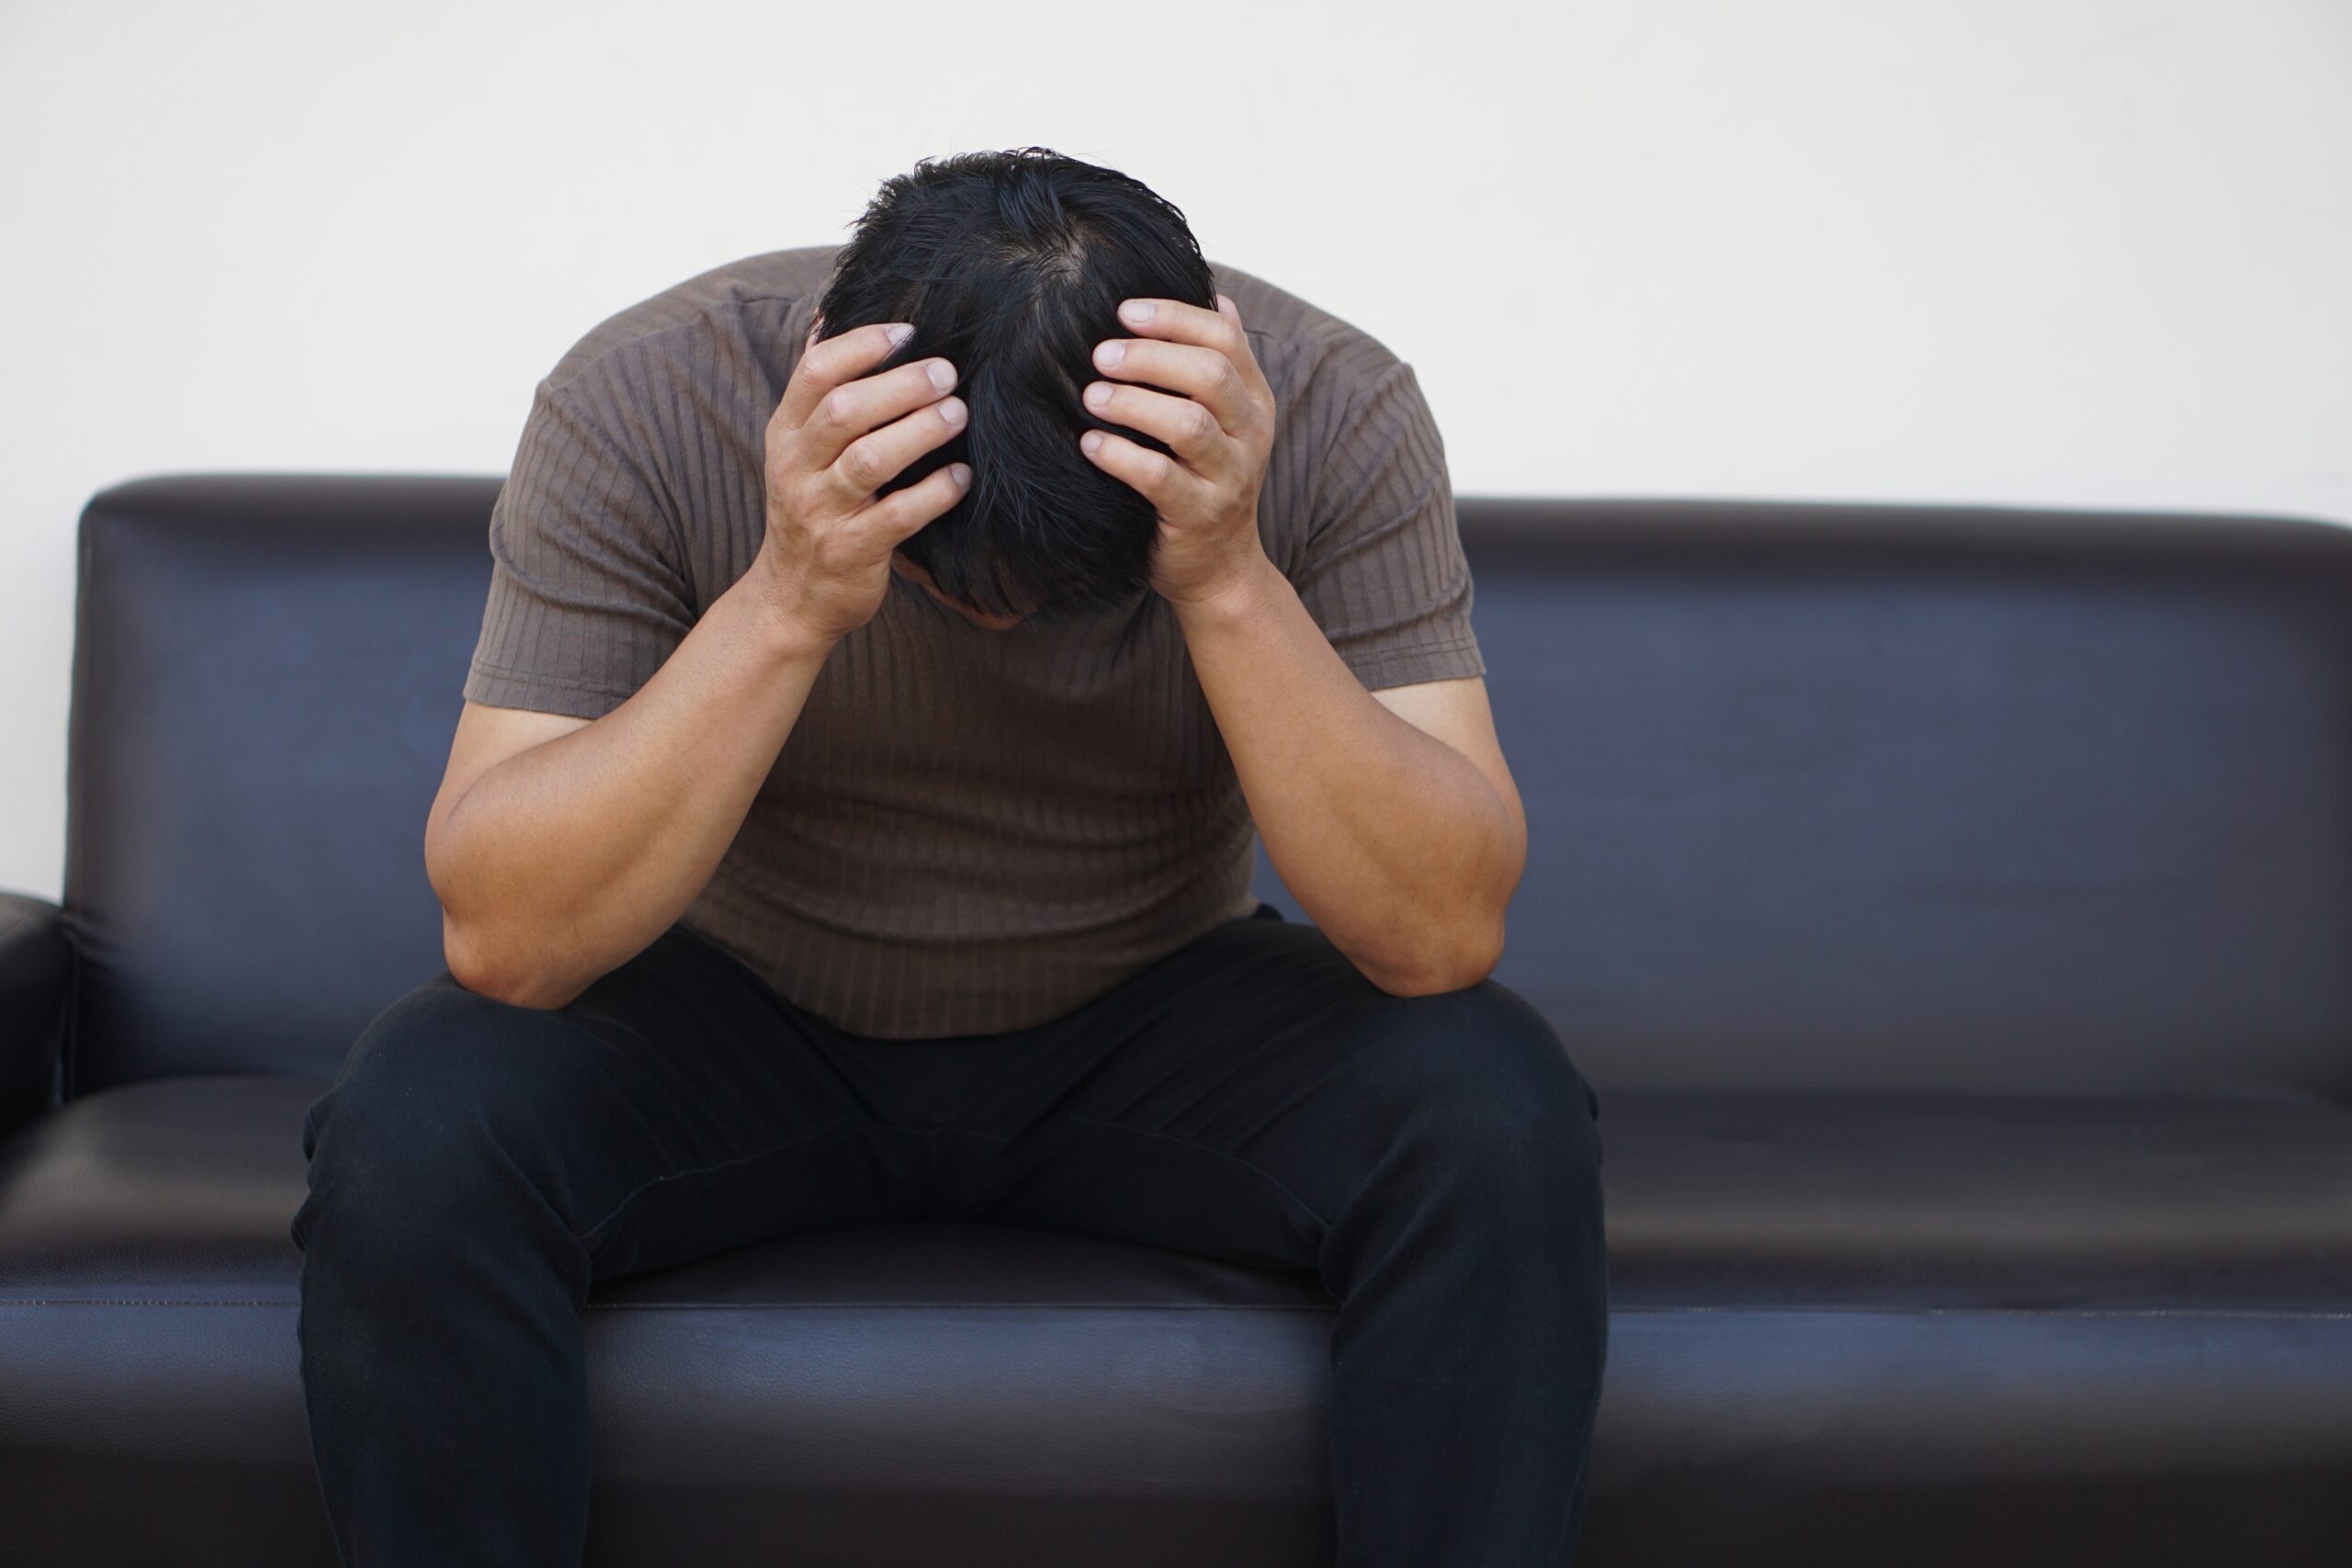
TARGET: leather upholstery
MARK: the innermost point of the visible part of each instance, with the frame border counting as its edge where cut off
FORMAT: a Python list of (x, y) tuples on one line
[(1844, 1327), (857, 1396), (266, 675), (35, 970), (1927, 798), (1951, 907), (1818, 796)]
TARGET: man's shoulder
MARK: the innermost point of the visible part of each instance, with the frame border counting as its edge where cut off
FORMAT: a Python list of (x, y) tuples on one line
[(723, 298), (1312, 356)]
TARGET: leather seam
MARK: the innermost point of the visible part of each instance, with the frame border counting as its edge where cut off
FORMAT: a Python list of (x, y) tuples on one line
[(1219, 1306)]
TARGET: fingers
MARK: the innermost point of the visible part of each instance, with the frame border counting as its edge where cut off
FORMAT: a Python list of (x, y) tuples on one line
[(904, 511), (874, 458), (827, 364), (836, 395), (838, 424), (1187, 427), (1168, 485), (1202, 357), (851, 429)]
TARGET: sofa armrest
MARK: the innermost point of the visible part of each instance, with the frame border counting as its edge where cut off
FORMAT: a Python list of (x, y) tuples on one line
[(36, 972)]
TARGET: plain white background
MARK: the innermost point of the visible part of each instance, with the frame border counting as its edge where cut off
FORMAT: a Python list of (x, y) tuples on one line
[(2076, 252)]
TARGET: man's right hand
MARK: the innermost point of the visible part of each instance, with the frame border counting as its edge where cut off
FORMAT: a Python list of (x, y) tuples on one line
[(837, 436)]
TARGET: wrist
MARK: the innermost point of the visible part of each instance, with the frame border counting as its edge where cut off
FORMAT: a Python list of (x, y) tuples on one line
[(1240, 599), (773, 627)]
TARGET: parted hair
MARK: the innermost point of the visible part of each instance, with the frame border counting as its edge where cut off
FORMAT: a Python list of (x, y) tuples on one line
[(1012, 265)]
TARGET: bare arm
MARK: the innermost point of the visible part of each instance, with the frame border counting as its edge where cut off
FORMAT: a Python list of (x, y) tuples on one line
[(1389, 815), (569, 856), (560, 847)]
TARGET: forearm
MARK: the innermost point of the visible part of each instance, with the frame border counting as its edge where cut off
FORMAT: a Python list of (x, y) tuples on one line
[(1391, 840), (569, 857)]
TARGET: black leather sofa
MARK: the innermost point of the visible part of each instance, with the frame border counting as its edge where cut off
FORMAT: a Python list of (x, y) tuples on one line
[(1953, 909)]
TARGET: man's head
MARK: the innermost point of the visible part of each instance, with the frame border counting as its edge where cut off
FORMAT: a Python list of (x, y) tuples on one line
[(1012, 265)]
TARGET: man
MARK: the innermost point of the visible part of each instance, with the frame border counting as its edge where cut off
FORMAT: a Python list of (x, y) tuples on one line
[(851, 817)]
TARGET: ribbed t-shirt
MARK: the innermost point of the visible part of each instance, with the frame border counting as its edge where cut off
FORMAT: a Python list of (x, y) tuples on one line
[(967, 831)]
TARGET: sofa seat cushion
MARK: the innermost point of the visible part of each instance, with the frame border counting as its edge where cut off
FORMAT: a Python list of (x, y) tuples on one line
[(180, 1188), (861, 1395), (1890, 1199), (1843, 1324), (1865, 1327)]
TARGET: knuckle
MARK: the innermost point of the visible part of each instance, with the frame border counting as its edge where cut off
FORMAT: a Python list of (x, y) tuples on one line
[(831, 411), (1200, 424), (861, 466)]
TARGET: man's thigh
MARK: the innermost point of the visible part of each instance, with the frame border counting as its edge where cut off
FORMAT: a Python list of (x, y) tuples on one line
[(1234, 1098), (674, 1109)]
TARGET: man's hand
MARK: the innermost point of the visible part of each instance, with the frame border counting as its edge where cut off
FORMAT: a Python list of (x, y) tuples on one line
[(1217, 417), (837, 436)]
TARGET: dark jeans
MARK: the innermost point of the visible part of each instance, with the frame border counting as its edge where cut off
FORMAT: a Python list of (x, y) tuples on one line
[(477, 1165)]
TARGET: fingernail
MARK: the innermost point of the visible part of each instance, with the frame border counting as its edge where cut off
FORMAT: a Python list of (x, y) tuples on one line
[(1137, 311), (1110, 354), (899, 332), (963, 473), (952, 409), (943, 375)]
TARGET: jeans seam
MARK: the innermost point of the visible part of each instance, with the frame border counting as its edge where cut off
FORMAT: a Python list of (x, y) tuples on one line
[(644, 1187), (1259, 1171)]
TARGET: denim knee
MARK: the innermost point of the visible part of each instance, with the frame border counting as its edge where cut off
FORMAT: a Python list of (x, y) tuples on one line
[(1482, 1088), (431, 1101)]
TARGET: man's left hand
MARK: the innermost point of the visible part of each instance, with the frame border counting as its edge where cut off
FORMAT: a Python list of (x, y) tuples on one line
[(1217, 416)]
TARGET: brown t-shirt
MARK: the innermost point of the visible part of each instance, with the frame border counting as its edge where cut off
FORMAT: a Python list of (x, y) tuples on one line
[(967, 831)]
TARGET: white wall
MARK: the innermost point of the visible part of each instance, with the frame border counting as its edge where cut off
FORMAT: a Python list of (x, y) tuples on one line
[(2082, 252)]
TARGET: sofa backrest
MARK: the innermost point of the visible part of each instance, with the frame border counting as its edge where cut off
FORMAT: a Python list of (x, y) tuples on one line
[(265, 675), (1818, 796)]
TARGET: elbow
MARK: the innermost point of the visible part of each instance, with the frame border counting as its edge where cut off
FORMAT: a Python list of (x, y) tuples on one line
[(476, 965), (1424, 982), (478, 955), (469, 961), (1439, 967)]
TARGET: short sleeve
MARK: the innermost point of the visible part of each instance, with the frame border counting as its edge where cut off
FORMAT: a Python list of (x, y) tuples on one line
[(587, 596), (1383, 571)]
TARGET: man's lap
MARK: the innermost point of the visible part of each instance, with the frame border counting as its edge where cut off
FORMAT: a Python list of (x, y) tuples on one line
[(1230, 1099)]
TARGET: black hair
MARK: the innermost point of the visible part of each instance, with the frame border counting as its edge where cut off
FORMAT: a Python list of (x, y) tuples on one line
[(1012, 265)]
